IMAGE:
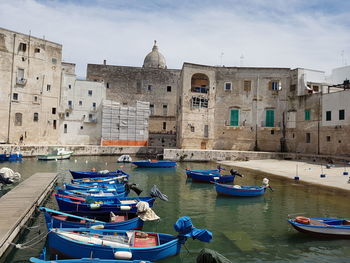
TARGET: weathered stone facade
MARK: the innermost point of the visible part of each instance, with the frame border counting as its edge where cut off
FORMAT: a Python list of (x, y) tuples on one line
[(30, 80)]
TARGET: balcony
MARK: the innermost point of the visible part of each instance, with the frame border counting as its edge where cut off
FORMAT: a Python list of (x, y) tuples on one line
[(21, 81)]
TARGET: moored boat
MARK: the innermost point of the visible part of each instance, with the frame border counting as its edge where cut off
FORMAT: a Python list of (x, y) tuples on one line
[(155, 164), (81, 175), (72, 204), (131, 245), (95, 187), (121, 221), (100, 195), (86, 260), (239, 190), (125, 158), (57, 154), (322, 227), (101, 180), (11, 157)]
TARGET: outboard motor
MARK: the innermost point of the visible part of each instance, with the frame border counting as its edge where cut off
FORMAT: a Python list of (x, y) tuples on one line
[(235, 172)]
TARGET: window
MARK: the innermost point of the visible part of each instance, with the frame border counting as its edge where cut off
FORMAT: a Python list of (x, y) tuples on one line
[(328, 115), (80, 103), (341, 115), (308, 137), (165, 110), (275, 85), (65, 128), (138, 87), (22, 47), (37, 50), (18, 119), (247, 85), (307, 114), (69, 86), (168, 88), (234, 117), (199, 83), (107, 85), (35, 99), (164, 125), (94, 105), (70, 104), (48, 87), (20, 73), (272, 132), (54, 60), (67, 113), (36, 117), (125, 104), (90, 92), (149, 87), (192, 128), (198, 102), (15, 96), (53, 110), (270, 118), (81, 127), (90, 117), (328, 138), (54, 125), (228, 86), (151, 107), (206, 131)]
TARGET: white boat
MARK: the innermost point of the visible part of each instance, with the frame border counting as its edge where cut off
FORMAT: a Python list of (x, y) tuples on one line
[(125, 158), (57, 154)]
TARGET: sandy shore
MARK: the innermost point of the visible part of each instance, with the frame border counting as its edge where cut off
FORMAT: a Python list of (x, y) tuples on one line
[(307, 172)]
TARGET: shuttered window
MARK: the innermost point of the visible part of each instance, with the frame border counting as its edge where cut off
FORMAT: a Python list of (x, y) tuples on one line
[(234, 117), (307, 115), (270, 118)]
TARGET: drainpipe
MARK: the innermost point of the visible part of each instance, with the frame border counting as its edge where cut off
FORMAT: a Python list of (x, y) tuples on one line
[(11, 89)]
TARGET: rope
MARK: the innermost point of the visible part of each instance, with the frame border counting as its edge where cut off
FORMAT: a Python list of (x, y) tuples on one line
[(27, 244), (31, 227)]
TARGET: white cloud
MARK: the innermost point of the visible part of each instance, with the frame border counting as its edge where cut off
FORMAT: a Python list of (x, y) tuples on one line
[(264, 32)]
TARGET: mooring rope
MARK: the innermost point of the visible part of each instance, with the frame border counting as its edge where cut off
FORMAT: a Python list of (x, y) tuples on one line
[(27, 244)]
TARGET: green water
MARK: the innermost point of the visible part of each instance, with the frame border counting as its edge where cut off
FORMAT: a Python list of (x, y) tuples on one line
[(244, 229)]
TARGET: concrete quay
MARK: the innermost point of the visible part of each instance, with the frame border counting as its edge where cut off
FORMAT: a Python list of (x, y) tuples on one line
[(308, 172), (18, 205)]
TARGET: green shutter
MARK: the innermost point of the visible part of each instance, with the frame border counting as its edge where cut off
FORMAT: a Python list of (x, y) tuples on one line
[(234, 117), (270, 118), (307, 115)]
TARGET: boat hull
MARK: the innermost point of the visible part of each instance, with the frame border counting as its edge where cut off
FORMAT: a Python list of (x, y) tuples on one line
[(155, 164), (87, 260), (51, 157), (74, 249), (324, 231), (244, 191), (119, 188), (96, 195), (10, 157)]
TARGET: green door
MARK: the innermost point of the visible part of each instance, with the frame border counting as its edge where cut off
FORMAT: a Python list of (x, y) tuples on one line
[(234, 117), (270, 118)]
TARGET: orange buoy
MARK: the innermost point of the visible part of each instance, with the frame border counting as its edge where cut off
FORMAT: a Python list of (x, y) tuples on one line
[(302, 220)]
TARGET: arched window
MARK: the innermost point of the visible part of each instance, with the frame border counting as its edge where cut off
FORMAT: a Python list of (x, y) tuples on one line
[(36, 116), (18, 119), (200, 83)]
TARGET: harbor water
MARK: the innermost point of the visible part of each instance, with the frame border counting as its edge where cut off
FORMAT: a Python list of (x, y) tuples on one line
[(244, 229)]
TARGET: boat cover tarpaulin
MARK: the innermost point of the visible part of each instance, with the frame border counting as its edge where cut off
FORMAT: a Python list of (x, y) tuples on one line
[(210, 256), (145, 213), (185, 228), (155, 192)]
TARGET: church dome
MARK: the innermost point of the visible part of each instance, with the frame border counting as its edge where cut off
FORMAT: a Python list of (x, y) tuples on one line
[(154, 59)]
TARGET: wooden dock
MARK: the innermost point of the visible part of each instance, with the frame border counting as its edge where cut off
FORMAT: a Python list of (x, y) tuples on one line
[(18, 205)]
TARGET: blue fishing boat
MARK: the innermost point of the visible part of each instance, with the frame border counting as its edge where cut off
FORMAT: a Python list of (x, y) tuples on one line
[(86, 260), (130, 245), (239, 190), (79, 175), (322, 227), (96, 187), (72, 204), (208, 177), (97, 195), (155, 164), (99, 180), (217, 172), (10, 157), (121, 221)]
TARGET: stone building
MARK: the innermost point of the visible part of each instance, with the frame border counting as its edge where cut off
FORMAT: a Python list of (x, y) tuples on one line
[(153, 83), (80, 108), (30, 77)]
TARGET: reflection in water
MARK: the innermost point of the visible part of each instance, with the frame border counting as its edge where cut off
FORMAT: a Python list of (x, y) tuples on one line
[(244, 229)]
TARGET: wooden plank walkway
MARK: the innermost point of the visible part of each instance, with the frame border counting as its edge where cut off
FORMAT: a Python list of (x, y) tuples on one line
[(18, 205)]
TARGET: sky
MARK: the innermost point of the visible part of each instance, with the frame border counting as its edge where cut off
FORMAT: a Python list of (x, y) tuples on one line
[(253, 33)]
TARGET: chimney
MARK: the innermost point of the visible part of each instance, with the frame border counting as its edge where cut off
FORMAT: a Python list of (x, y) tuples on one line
[(104, 62)]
